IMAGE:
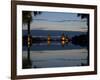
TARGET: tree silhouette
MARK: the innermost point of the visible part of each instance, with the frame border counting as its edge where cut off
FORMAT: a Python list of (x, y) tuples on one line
[(87, 35), (27, 17), (84, 16)]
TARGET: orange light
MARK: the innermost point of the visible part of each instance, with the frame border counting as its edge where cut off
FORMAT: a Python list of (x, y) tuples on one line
[(28, 41), (49, 38), (63, 42), (63, 38), (49, 42)]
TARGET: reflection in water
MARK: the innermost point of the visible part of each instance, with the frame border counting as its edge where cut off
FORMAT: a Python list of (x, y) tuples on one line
[(49, 42), (54, 54), (62, 43)]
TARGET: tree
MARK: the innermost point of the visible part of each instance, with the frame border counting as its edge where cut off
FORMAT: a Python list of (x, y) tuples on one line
[(27, 19), (84, 16)]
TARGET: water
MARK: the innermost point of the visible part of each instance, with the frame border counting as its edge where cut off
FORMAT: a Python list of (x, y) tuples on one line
[(50, 54)]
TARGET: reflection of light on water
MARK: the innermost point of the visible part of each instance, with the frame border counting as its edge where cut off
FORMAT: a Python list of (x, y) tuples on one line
[(55, 43), (63, 43), (28, 41), (57, 54), (59, 58), (49, 42)]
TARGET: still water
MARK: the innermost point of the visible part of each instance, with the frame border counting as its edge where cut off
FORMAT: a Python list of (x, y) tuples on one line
[(55, 54)]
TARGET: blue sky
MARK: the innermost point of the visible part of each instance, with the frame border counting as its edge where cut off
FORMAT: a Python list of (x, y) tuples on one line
[(58, 21)]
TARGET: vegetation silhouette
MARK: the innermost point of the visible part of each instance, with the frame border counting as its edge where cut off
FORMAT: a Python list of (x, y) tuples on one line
[(81, 40), (84, 16), (27, 17)]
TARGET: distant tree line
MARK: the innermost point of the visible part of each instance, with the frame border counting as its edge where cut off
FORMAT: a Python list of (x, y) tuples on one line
[(82, 40)]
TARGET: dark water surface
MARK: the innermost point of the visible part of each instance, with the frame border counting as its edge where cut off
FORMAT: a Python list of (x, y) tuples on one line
[(55, 54)]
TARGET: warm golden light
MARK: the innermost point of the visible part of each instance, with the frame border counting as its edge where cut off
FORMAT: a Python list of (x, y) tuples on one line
[(28, 41), (63, 43), (63, 38), (49, 42), (49, 38)]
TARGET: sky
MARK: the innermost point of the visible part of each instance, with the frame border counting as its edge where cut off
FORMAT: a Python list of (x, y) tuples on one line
[(58, 21)]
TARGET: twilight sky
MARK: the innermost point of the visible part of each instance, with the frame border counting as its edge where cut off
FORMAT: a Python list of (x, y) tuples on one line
[(58, 21)]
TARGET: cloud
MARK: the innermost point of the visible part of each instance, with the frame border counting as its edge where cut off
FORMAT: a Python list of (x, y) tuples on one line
[(68, 26)]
